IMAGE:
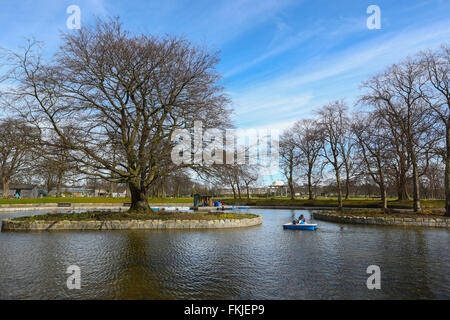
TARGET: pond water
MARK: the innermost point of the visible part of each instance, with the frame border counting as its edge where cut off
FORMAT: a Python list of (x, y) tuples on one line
[(261, 262)]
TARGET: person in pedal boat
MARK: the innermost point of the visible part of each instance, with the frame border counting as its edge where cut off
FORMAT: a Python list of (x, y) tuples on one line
[(301, 220)]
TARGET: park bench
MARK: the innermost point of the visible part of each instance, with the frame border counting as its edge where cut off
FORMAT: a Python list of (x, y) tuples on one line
[(64, 204)]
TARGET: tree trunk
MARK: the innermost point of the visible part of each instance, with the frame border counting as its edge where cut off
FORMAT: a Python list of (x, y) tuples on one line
[(383, 196), (384, 199), (139, 200), (49, 184), (5, 185), (310, 191), (234, 191), (291, 190), (402, 191), (416, 193), (59, 183), (447, 171), (339, 186), (291, 180), (58, 190), (111, 189), (347, 185), (291, 187), (248, 192), (382, 185)]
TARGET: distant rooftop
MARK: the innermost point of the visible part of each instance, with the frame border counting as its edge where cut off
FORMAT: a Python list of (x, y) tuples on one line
[(278, 183), (21, 186)]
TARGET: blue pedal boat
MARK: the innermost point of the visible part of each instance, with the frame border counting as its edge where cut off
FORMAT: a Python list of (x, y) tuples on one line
[(305, 226)]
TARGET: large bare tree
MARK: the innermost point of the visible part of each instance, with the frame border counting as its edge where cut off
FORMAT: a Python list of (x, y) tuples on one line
[(249, 175), (289, 157), (333, 125), (107, 86), (437, 68), (307, 139), (398, 95), (17, 141), (370, 134)]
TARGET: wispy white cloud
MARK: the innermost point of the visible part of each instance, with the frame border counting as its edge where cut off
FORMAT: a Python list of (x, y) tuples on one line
[(318, 79), (279, 46), (373, 55), (98, 7), (230, 19)]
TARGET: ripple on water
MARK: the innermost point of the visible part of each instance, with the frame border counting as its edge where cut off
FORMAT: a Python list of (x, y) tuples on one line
[(261, 262)]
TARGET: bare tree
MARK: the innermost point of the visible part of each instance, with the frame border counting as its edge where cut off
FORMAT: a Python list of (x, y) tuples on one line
[(225, 175), (398, 95), (370, 134), (347, 145), (54, 162), (333, 123), (437, 68), (289, 159), (399, 162), (179, 183), (432, 182), (249, 175), (107, 84), (44, 171), (308, 141), (17, 140)]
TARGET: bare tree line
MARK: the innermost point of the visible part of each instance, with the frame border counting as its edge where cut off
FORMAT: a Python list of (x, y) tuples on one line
[(108, 102), (398, 134)]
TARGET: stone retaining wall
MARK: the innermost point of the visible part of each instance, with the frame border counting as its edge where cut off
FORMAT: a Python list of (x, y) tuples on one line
[(15, 225), (391, 221)]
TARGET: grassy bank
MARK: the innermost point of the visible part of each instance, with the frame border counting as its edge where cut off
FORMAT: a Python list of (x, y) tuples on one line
[(332, 202), (279, 201), (92, 200), (392, 213), (108, 216)]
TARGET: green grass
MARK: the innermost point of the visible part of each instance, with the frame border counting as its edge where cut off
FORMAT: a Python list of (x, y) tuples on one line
[(275, 201), (171, 200), (332, 202), (91, 200), (391, 214), (108, 216)]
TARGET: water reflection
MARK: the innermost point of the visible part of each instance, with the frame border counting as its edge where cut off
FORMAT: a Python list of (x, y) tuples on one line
[(262, 262)]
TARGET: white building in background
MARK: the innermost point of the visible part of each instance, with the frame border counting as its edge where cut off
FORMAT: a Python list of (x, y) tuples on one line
[(278, 184), (277, 188), (82, 191)]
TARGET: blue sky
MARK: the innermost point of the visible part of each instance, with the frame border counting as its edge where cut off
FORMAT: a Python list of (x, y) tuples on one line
[(281, 59)]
